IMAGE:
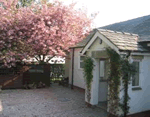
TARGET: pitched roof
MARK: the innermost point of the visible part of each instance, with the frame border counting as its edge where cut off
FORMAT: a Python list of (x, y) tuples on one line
[(140, 26)]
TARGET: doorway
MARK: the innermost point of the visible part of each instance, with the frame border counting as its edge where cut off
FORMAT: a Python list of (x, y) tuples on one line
[(103, 85)]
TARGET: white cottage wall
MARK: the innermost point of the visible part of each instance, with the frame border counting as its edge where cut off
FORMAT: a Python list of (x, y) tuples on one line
[(78, 72), (95, 84), (97, 46), (78, 78), (140, 99)]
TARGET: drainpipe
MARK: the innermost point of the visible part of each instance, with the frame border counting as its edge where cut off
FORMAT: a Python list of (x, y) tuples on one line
[(126, 90), (72, 67)]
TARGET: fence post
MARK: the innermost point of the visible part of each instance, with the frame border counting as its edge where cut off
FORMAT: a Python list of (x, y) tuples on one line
[(47, 74)]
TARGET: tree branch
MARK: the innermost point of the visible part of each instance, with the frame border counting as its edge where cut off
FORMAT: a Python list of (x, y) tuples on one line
[(44, 57), (39, 57), (49, 59), (36, 58)]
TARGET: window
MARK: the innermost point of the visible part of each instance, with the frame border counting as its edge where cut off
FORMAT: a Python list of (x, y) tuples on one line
[(135, 77), (102, 69), (81, 61)]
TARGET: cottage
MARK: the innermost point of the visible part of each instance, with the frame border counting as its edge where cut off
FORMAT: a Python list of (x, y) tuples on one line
[(95, 46)]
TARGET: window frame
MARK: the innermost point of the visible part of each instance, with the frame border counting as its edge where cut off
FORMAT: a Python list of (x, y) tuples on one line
[(79, 61), (137, 60), (104, 70)]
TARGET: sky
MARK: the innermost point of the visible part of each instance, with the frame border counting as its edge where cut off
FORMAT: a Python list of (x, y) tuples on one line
[(113, 11)]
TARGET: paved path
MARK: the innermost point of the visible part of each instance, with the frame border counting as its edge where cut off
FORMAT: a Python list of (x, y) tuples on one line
[(56, 101)]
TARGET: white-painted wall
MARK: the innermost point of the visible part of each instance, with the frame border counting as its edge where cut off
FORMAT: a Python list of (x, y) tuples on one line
[(78, 79), (78, 72), (95, 84), (97, 46), (140, 99)]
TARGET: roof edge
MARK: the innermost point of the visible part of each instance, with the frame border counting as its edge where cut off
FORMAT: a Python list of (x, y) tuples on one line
[(134, 51)]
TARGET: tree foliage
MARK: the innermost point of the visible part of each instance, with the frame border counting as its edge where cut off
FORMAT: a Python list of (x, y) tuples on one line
[(88, 75), (39, 30), (120, 71), (114, 80), (127, 71)]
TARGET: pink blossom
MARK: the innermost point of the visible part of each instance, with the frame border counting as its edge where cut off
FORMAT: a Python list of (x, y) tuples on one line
[(50, 30)]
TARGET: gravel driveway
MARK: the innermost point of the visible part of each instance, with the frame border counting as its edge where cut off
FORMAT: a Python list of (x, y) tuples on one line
[(56, 101)]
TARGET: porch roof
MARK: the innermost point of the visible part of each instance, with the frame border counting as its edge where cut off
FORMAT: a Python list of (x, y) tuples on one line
[(124, 41)]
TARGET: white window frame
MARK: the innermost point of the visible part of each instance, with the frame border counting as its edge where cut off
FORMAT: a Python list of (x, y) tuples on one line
[(137, 60), (104, 77), (79, 61)]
